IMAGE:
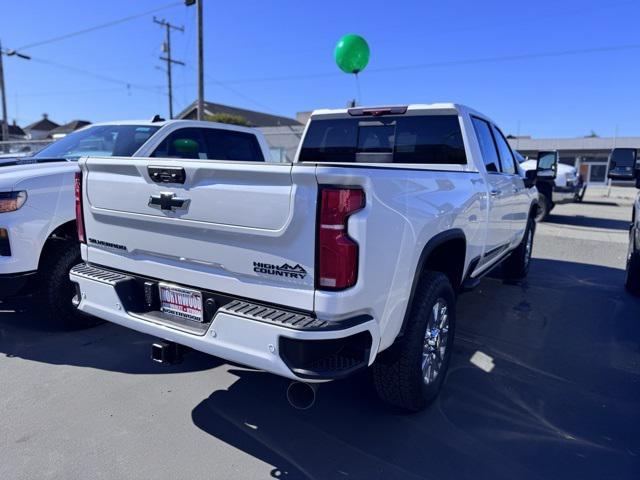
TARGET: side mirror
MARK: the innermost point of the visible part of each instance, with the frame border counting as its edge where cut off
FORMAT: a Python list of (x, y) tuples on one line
[(622, 164), (530, 177), (547, 165)]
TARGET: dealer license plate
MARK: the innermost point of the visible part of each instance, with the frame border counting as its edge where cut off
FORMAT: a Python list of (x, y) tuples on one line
[(181, 302)]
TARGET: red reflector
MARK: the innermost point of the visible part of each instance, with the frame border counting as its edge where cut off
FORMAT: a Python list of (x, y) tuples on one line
[(337, 252), (79, 215)]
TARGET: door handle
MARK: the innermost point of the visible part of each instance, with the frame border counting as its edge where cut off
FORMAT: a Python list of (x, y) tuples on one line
[(495, 193)]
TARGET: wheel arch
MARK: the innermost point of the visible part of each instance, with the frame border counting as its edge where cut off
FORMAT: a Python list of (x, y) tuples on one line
[(64, 232), (437, 255)]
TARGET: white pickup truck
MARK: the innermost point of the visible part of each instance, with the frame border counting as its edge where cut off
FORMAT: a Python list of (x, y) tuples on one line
[(350, 256), (38, 240)]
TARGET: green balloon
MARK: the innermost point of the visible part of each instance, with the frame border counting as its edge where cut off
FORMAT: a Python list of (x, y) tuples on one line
[(352, 53)]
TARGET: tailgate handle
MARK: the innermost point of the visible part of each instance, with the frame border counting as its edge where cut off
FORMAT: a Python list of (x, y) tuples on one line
[(167, 174)]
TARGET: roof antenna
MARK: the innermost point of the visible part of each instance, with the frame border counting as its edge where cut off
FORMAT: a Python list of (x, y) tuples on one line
[(157, 118)]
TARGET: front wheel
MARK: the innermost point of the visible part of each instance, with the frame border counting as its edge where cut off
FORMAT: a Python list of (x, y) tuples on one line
[(56, 290), (544, 207), (516, 265), (410, 374), (632, 272)]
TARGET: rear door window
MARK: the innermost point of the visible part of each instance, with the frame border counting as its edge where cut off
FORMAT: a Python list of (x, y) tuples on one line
[(413, 139), (487, 145)]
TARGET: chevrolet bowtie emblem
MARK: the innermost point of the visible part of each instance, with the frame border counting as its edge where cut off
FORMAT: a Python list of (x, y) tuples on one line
[(168, 202)]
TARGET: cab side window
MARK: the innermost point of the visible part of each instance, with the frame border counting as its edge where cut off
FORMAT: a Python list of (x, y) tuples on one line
[(487, 145), (506, 156), (183, 143)]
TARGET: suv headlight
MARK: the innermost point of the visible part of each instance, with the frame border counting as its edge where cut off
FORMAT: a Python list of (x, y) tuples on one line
[(12, 201)]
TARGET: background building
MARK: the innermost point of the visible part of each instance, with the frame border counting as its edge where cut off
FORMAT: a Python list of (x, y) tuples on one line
[(589, 155), (252, 117)]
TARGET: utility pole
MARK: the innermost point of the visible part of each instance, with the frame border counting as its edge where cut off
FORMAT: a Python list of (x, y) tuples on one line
[(5, 123), (200, 102), (200, 64), (5, 120), (168, 59)]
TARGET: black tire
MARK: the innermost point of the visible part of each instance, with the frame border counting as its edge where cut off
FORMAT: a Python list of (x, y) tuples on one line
[(56, 290), (398, 374), (632, 272), (516, 265), (543, 209)]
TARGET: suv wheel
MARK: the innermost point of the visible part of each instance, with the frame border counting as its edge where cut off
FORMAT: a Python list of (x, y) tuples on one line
[(57, 291), (632, 273), (410, 374), (516, 265)]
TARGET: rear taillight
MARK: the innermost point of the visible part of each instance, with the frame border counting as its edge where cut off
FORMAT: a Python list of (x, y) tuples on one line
[(337, 252), (79, 216)]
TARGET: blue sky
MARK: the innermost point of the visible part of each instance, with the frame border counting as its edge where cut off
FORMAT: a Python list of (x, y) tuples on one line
[(277, 56)]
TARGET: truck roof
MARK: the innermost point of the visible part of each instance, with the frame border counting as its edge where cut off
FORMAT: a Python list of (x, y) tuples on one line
[(412, 107), (162, 123)]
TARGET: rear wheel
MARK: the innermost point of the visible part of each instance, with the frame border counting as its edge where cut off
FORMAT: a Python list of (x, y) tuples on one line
[(516, 265), (410, 374), (632, 273), (57, 291)]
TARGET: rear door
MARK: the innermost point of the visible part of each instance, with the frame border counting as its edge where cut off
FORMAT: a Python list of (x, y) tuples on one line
[(235, 225)]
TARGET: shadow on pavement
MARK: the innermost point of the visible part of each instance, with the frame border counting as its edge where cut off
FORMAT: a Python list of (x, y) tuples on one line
[(591, 222), (562, 401), (106, 346)]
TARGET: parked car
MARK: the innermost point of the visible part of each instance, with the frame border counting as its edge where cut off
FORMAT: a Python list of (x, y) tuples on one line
[(623, 166), (568, 186), (38, 239), (351, 256)]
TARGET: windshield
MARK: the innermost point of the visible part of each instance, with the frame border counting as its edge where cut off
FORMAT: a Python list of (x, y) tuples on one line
[(99, 140), (430, 139)]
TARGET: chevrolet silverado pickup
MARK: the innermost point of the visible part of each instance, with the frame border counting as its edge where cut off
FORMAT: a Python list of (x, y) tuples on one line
[(349, 257), (38, 240)]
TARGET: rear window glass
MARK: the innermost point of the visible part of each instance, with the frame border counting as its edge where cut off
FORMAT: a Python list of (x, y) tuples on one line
[(426, 139)]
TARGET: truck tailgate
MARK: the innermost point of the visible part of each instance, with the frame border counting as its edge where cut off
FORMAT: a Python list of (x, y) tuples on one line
[(243, 228)]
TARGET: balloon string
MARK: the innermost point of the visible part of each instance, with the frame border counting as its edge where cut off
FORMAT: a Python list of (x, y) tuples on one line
[(358, 93)]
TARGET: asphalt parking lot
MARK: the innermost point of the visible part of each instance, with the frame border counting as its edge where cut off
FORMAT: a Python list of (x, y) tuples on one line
[(562, 399)]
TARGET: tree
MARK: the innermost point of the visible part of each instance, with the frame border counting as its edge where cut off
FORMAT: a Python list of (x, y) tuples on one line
[(592, 134), (228, 118)]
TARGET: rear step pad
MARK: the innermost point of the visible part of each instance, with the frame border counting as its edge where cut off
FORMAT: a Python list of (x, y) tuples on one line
[(241, 308)]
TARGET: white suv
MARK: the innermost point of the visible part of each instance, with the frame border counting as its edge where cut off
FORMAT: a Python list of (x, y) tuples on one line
[(38, 234)]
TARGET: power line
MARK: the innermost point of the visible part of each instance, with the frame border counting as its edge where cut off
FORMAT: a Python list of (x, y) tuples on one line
[(446, 63), (508, 58), (98, 76), (98, 27)]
